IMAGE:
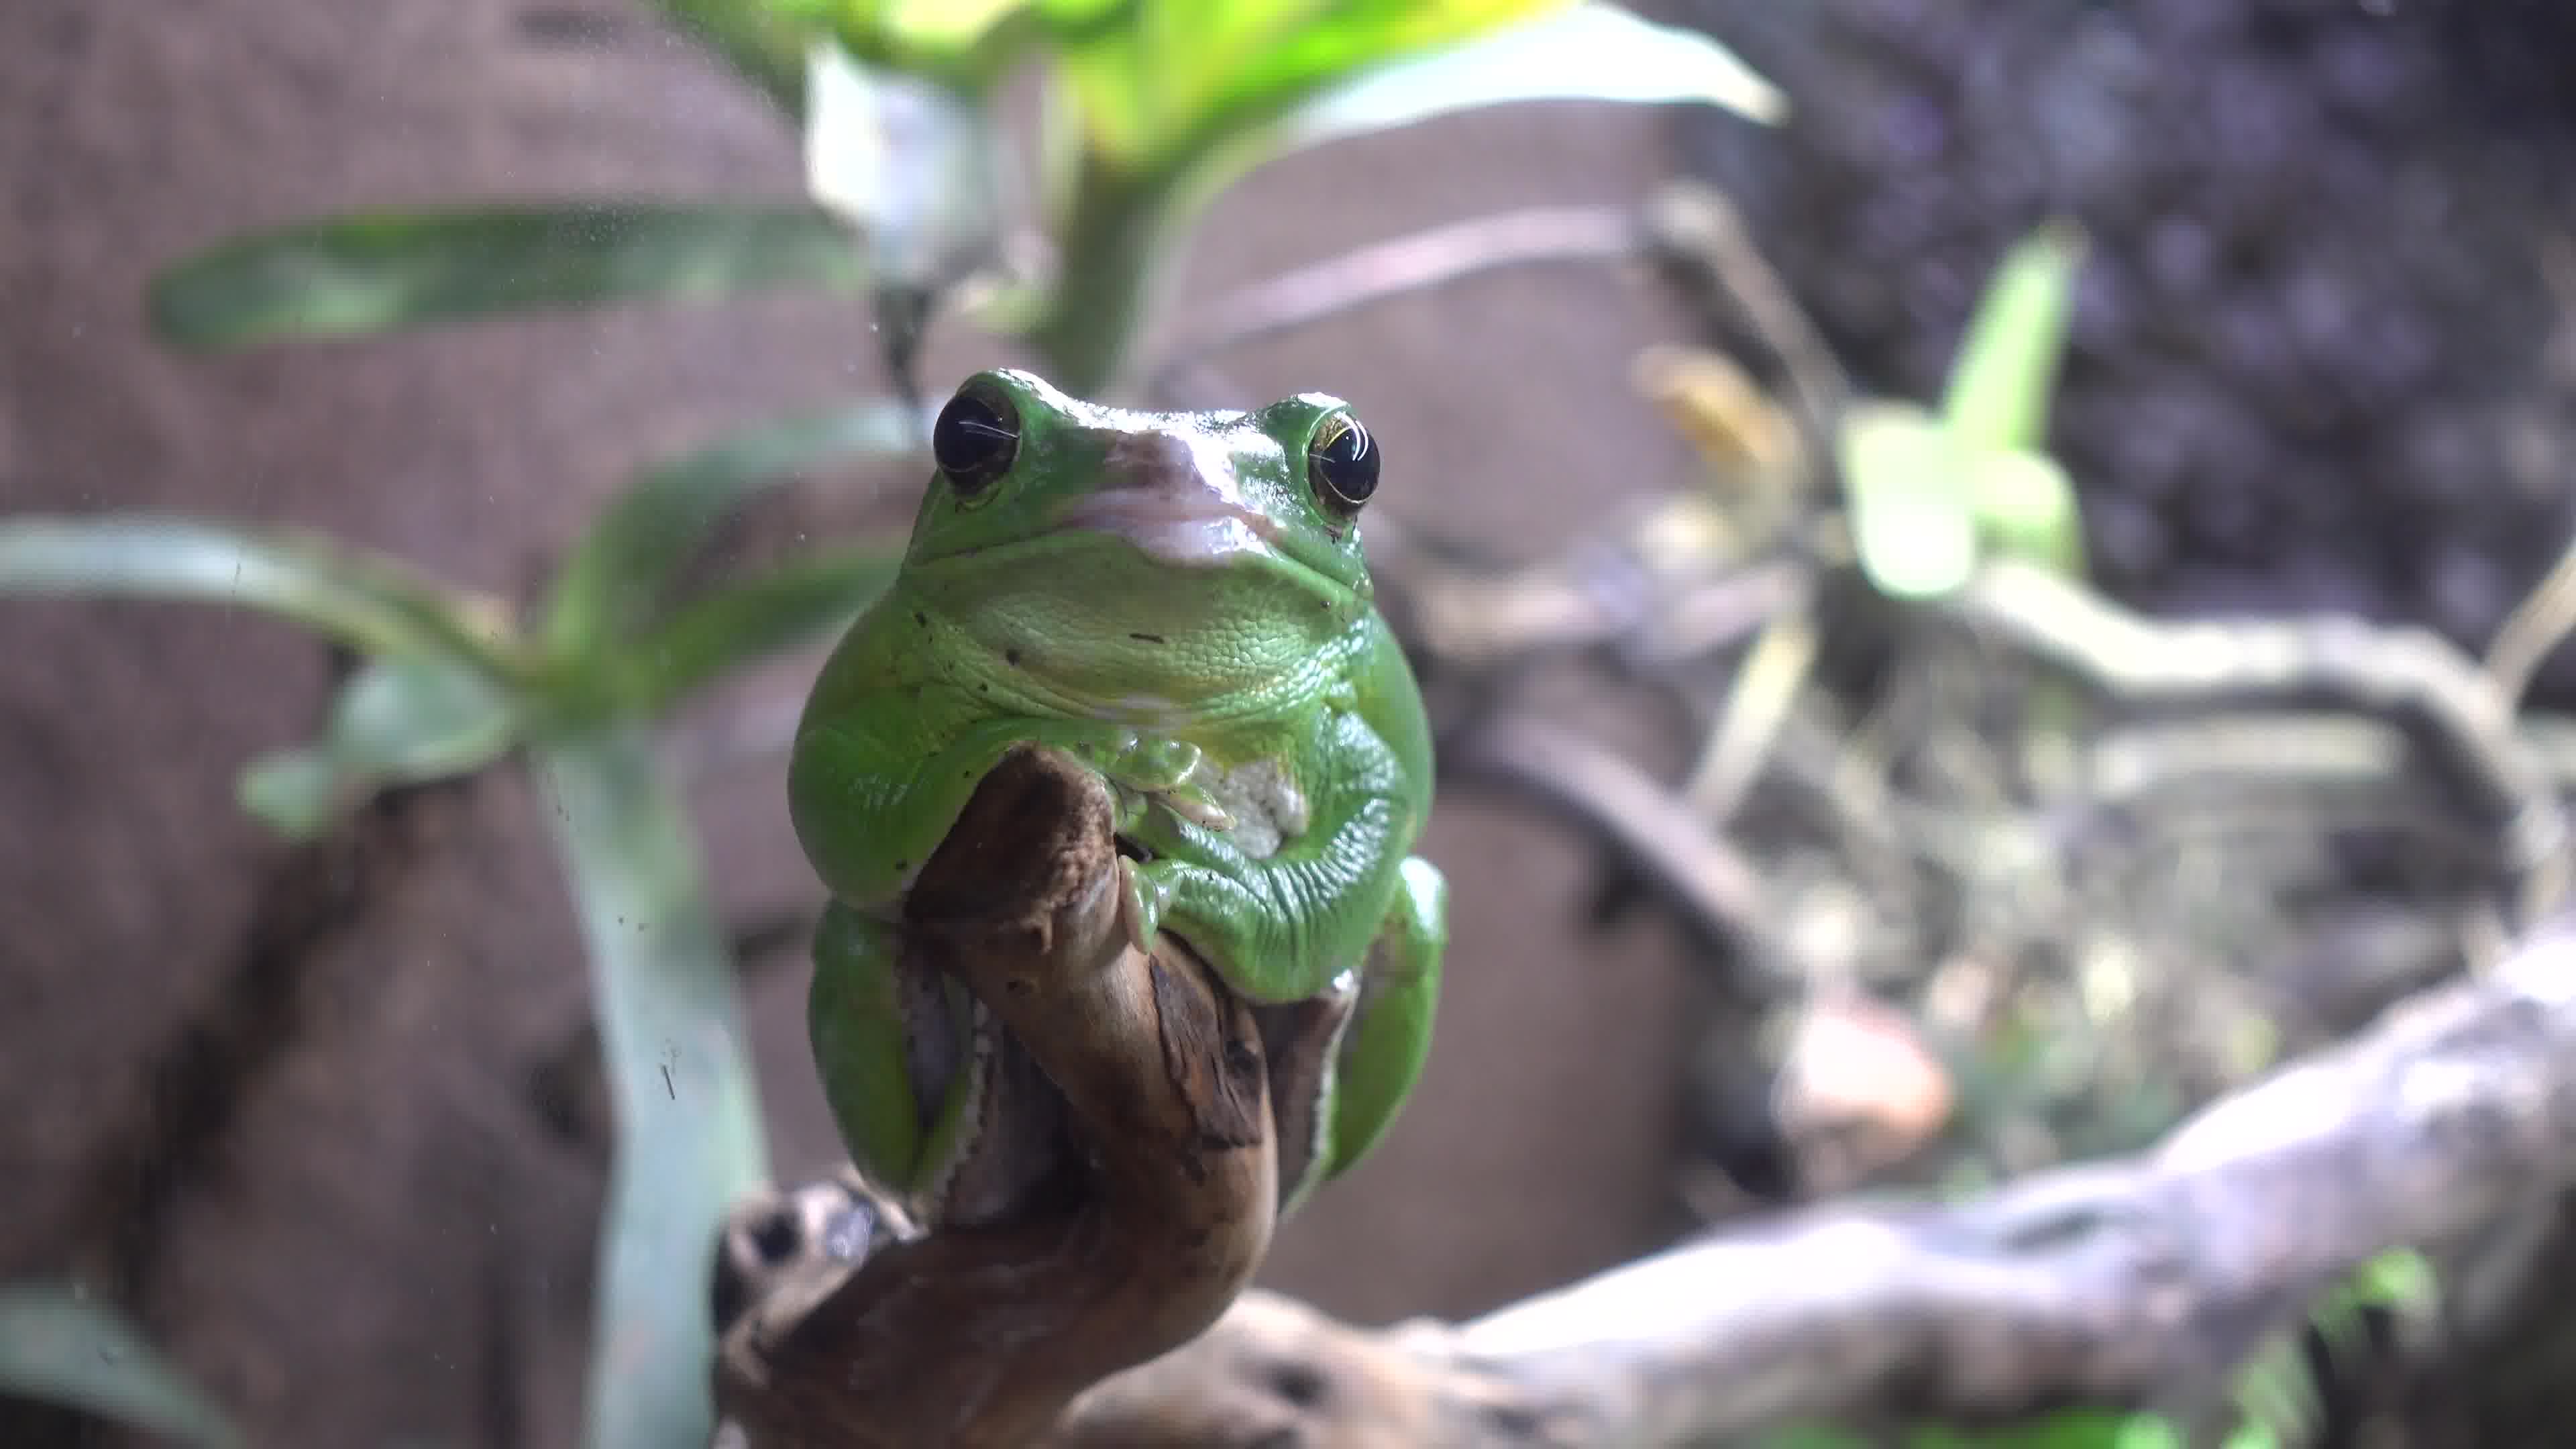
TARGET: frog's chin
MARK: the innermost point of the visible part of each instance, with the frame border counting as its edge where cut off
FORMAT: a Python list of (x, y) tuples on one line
[(1197, 532)]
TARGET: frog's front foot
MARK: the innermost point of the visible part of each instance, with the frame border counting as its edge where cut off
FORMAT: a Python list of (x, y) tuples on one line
[(1158, 770), (1141, 898)]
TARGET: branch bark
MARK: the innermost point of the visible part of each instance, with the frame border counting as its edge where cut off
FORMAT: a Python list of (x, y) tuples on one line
[(2133, 1281), (1157, 1208)]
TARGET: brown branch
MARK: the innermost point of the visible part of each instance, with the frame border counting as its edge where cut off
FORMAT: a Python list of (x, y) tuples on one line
[(2132, 1281), (2136, 1281), (1152, 1220), (2450, 705), (2127, 1282)]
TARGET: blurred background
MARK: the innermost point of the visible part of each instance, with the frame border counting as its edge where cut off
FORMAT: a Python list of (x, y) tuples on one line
[(325, 1118)]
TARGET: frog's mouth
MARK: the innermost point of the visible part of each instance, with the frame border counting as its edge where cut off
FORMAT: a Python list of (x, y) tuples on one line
[(1184, 531)]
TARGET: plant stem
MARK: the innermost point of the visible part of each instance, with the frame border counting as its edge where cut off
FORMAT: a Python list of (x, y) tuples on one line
[(689, 1138), (1111, 245)]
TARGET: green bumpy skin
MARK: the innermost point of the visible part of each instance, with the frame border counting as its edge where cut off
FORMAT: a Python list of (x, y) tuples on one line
[(1181, 601)]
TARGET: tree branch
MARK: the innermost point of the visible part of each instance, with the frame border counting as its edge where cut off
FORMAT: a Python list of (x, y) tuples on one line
[(1152, 1212), (2128, 1281), (2132, 1281)]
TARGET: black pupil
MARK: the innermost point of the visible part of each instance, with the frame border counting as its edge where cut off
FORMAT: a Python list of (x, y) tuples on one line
[(973, 441), (1345, 463)]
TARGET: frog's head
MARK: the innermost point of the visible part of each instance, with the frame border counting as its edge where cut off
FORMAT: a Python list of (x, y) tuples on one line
[(1269, 500)]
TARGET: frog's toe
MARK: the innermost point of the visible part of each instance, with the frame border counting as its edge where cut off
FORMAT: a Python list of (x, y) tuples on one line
[(1152, 764), (1196, 806), (1140, 904)]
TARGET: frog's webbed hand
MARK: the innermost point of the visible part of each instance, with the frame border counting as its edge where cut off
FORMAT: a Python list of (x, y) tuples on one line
[(1154, 770), (1280, 927), (869, 829)]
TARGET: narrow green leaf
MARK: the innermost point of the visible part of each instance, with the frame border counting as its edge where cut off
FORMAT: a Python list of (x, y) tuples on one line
[(1152, 82), (1912, 519), (379, 272), (368, 602), (2025, 505), (297, 791), (689, 1137), (1999, 387), (616, 579), (1586, 52), (398, 721), (58, 1346), (730, 627), (2148, 1431)]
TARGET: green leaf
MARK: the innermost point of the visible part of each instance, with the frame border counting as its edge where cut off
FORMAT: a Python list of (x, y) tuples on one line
[(962, 45), (2253, 1436), (2063, 1429), (730, 627), (1156, 80), (370, 603), (59, 1347), (1178, 100), (379, 272), (2401, 1279), (1912, 519), (2025, 505), (1999, 387), (397, 721), (2148, 1431), (616, 579), (297, 792), (689, 1139), (2276, 1393), (1586, 52)]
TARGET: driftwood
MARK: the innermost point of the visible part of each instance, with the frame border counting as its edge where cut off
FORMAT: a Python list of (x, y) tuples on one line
[(1158, 1212), (2136, 1281)]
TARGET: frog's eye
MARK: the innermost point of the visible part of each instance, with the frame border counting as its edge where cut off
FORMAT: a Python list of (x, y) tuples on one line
[(974, 441), (1342, 462)]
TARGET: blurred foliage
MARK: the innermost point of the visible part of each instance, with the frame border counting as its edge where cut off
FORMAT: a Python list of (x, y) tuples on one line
[(1157, 105), (451, 684), (57, 1345), (382, 271), (1930, 492)]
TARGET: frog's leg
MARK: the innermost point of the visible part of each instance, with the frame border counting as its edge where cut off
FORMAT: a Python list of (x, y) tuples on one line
[(898, 1078), (868, 822), (1280, 927), (1387, 1047)]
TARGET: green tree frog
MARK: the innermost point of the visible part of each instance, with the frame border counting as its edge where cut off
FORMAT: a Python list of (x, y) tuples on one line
[(1181, 602)]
